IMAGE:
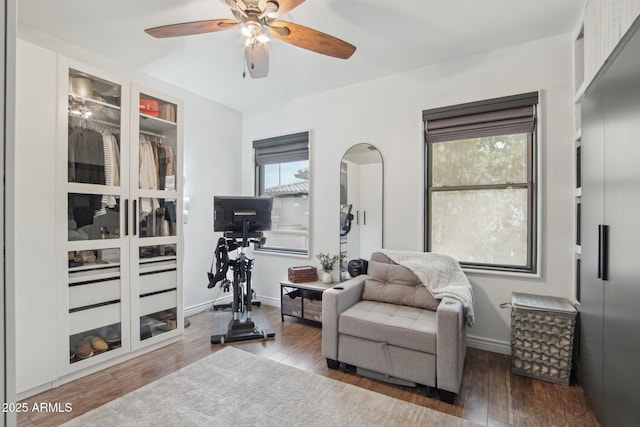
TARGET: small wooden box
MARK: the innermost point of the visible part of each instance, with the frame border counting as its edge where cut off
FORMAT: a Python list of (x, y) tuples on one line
[(304, 273)]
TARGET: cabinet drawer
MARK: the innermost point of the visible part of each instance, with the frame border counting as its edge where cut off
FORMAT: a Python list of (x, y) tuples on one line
[(94, 293), (158, 302), (292, 304), (88, 274), (158, 281), (93, 318), (312, 309)]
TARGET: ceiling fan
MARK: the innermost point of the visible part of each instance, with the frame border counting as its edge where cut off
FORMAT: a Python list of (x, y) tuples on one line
[(257, 19)]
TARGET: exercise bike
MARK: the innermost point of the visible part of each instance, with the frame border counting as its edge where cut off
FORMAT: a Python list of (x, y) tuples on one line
[(241, 326)]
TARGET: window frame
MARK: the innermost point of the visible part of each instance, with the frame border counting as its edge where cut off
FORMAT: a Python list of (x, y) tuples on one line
[(532, 184), (282, 149)]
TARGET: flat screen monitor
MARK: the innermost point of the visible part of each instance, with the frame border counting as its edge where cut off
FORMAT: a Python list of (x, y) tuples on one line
[(230, 213)]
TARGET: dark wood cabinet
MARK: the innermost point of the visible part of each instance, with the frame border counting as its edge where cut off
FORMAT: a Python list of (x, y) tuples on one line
[(610, 237)]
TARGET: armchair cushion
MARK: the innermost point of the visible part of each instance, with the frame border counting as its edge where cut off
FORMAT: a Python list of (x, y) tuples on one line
[(398, 325), (395, 284)]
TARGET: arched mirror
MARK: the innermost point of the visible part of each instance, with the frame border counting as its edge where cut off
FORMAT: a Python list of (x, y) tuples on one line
[(361, 201)]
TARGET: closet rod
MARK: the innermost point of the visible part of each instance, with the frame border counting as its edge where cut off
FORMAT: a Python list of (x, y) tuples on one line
[(146, 132), (95, 121), (115, 125)]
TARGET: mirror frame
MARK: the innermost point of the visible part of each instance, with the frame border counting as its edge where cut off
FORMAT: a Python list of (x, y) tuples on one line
[(373, 148)]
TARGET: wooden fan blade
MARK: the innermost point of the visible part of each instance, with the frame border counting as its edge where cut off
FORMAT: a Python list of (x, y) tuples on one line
[(311, 39), (231, 4), (284, 6), (191, 28), (235, 4)]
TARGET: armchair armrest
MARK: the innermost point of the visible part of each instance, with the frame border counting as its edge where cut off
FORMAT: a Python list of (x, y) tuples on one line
[(335, 300), (451, 344)]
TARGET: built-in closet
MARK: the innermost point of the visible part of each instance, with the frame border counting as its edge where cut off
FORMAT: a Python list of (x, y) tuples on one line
[(118, 217), (610, 236)]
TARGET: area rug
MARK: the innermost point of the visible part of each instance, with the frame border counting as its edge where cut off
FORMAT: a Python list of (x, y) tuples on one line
[(233, 387)]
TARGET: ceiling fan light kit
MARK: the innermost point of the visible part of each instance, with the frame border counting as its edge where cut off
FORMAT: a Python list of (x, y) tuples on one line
[(257, 18)]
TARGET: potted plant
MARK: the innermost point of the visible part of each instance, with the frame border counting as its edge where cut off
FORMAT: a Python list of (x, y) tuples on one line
[(327, 261)]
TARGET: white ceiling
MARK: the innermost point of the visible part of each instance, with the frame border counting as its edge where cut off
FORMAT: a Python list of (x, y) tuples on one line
[(390, 36)]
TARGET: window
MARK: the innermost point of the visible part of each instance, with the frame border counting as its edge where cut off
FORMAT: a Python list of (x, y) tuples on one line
[(480, 190), (282, 172)]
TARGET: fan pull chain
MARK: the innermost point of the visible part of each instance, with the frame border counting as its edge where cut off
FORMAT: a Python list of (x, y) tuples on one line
[(244, 67), (244, 63)]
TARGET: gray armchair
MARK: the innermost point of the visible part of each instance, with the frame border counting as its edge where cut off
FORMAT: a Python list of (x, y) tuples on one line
[(387, 324)]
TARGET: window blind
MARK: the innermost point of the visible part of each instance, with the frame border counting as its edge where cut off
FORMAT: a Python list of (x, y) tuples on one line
[(281, 149), (499, 116)]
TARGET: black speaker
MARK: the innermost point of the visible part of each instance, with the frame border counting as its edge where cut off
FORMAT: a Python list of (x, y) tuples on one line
[(357, 267)]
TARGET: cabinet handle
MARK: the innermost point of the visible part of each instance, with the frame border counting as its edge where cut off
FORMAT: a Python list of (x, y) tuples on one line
[(603, 252), (135, 216), (126, 217), (364, 217), (357, 217)]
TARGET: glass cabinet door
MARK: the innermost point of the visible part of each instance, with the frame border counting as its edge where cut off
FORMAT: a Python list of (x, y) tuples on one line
[(94, 130), (158, 287), (94, 158), (95, 303), (93, 216), (156, 217), (157, 144), (156, 294), (97, 314)]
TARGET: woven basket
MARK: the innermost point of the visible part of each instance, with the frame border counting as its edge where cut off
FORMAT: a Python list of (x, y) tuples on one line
[(304, 273), (542, 332)]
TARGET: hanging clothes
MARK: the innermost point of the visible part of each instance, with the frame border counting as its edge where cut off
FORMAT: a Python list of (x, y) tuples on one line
[(148, 176), (85, 165), (86, 156), (111, 169), (170, 168), (162, 165)]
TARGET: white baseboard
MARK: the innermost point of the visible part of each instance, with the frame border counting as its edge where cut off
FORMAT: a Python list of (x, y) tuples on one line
[(273, 302), (199, 308), (488, 344), (36, 390)]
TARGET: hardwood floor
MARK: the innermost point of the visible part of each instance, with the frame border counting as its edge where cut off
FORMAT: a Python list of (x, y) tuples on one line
[(491, 395)]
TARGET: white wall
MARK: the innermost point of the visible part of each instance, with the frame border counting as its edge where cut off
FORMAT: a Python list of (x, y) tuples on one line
[(212, 161), (34, 207), (387, 113), (212, 165)]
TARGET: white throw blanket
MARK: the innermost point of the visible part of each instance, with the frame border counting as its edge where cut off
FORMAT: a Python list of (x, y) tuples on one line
[(441, 274)]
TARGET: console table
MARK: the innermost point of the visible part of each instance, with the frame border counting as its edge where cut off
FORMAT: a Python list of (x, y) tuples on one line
[(302, 300)]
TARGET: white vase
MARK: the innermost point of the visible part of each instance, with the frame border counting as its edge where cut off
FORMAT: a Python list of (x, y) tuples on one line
[(327, 278)]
